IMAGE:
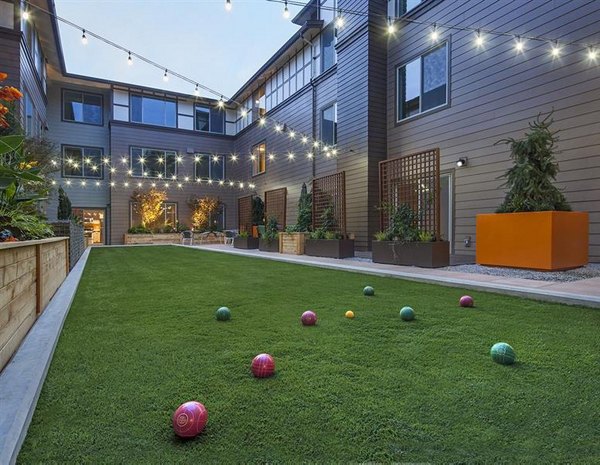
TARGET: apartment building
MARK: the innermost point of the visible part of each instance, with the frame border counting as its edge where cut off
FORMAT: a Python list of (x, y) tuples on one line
[(367, 94)]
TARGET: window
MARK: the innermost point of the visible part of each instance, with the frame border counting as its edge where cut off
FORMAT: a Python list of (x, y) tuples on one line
[(79, 107), (329, 125), (153, 163), (327, 10), (168, 216), (328, 55), (209, 167), (259, 158), (423, 83), (157, 111), (29, 115), (401, 7), (217, 219), (7, 15), (82, 162), (209, 119)]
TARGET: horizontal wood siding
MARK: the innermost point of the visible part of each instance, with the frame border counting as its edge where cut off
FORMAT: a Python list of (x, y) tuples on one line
[(495, 92)]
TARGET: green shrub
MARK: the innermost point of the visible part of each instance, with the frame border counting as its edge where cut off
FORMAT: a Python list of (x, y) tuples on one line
[(139, 230), (258, 211), (243, 234), (65, 211), (271, 230), (382, 236)]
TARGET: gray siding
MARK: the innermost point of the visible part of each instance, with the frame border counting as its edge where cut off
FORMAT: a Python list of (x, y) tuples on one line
[(494, 93)]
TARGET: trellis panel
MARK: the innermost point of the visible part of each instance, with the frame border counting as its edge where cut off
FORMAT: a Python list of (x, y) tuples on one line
[(413, 180), (245, 213), (326, 191), (276, 205)]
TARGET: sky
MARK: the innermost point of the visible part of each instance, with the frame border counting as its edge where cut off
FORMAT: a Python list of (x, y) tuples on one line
[(196, 38)]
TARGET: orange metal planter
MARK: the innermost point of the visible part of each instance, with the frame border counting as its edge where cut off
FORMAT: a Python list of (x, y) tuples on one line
[(537, 240)]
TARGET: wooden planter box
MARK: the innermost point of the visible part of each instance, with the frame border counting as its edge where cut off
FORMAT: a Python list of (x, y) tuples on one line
[(266, 246), (162, 238), (292, 243), (422, 254), (535, 240), (216, 237), (332, 248), (245, 243)]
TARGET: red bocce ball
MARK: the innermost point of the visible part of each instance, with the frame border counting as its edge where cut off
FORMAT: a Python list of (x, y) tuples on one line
[(190, 419), (309, 318), (263, 366)]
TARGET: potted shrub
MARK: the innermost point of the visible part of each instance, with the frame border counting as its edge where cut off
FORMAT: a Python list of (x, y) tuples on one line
[(268, 241), (244, 241), (534, 227), (326, 243), (258, 215), (293, 239), (404, 244)]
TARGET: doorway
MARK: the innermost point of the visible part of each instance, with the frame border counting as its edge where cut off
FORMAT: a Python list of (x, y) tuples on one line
[(93, 224), (447, 208)]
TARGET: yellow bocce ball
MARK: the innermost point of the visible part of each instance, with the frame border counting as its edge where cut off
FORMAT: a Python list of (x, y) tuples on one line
[(349, 314)]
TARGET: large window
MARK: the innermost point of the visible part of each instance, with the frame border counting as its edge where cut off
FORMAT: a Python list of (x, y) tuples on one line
[(209, 119), (259, 158), (153, 163), (329, 125), (150, 110), (400, 7), (80, 107), (209, 166), (82, 162), (423, 83), (168, 216), (328, 40)]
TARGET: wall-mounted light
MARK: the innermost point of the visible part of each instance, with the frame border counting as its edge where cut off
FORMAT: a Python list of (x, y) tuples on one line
[(461, 162)]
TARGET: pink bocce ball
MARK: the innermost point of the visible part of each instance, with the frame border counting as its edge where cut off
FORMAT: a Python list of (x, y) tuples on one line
[(309, 318), (466, 301), (190, 419), (263, 366)]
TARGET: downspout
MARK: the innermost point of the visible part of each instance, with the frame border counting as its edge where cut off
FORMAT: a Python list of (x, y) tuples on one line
[(314, 105)]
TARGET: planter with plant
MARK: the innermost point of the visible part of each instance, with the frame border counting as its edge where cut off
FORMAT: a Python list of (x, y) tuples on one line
[(258, 216), (292, 241), (534, 227), (150, 206), (269, 239), (323, 242), (403, 243), (244, 241)]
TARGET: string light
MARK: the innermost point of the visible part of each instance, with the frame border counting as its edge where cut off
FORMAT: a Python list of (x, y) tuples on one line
[(304, 139), (233, 157), (228, 5), (262, 121), (555, 51), (310, 155), (165, 76), (197, 91), (479, 41), (290, 156), (244, 113), (292, 134), (221, 102), (271, 156), (129, 59), (84, 39), (26, 15), (278, 128), (339, 21), (435, 35), (286, 11), (391, 27), (592, 54), (519, 45)]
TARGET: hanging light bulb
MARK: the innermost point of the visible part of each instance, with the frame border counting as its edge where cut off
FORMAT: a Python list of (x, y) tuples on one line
[(84, 40), (286, 11), (262, 121), (339, 21), (244, 113), (271, 156), (26, 15), (435, 35), (165, 76), (479, 41), (233, 157), (592, 54), (519, 45), (391, 27), (555, 51), (197, 91), (221, 102), (129, 59), (228, 5)]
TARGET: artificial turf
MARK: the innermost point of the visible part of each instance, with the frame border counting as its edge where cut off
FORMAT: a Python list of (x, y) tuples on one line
[(141, 338)]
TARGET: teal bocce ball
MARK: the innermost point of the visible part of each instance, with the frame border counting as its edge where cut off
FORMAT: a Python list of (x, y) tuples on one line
[(223, 314), (503, 353), (369, 291), (407, 314)]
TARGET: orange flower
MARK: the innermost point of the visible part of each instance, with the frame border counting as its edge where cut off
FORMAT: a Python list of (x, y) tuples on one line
[(3, 111), (9, 94), (3, 76)]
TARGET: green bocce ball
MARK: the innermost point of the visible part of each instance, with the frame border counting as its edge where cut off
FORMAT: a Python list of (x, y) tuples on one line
[(369, 291), (407, 314), (503, 353), (223, 314)]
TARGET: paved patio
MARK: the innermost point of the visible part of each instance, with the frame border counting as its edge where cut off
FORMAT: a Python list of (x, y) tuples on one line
[(583, 292)]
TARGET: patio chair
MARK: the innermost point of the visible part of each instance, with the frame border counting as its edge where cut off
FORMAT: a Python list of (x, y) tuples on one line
[(228, 239), (187, 238)]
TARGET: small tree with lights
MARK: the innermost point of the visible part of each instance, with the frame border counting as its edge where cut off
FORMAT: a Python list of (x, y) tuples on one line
[(150, 205), (203, 210)]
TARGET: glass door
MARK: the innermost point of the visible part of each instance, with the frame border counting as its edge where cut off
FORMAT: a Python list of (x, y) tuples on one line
[(93, 224)]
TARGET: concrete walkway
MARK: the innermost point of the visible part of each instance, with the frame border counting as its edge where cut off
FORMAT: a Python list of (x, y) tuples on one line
[(584, 292)]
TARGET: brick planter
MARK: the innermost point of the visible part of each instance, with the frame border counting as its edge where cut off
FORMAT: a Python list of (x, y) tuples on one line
[(422, 254), (332, 248), (245, 242)]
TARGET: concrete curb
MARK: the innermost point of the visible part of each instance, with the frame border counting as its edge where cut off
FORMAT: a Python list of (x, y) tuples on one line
[(520, 291), (22, 379)]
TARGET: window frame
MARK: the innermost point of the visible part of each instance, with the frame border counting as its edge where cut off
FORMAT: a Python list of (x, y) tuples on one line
[(154, 97), (174, 203), (83, 175), (165, 177), (223, 160), (444, 43), (257, 161), (83, 93), (210, 114), (323, 110)]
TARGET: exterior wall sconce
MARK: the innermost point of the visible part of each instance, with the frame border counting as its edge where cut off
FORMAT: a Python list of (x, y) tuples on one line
[(468, 241), (462, 162)]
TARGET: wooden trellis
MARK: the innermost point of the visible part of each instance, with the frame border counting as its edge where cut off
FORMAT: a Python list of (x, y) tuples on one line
[(275, 205), (413, 180), (330, 191), (245, 213)]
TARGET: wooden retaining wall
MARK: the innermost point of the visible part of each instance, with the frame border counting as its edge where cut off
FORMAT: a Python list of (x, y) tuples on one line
[(30, 274), (173, 238)]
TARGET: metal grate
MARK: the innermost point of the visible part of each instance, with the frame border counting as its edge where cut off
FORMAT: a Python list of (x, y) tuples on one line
[(413, 180), (275, 205), (330, 191), (245, 213)]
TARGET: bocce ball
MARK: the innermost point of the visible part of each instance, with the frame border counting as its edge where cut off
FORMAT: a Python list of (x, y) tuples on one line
[(223, 314), (466, 301), (503, 353), (309, 318), (190, 419), (263, 366), (349, 314), (368, 290), (407, 314)]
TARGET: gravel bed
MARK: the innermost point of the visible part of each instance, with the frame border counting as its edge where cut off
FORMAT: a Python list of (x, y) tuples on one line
[(590, 271)]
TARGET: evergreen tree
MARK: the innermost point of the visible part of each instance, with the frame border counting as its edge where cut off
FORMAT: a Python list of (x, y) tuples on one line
[(64, 205), (304, 220)]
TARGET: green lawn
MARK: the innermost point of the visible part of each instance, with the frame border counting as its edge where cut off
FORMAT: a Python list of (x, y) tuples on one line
[(141, 338)]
